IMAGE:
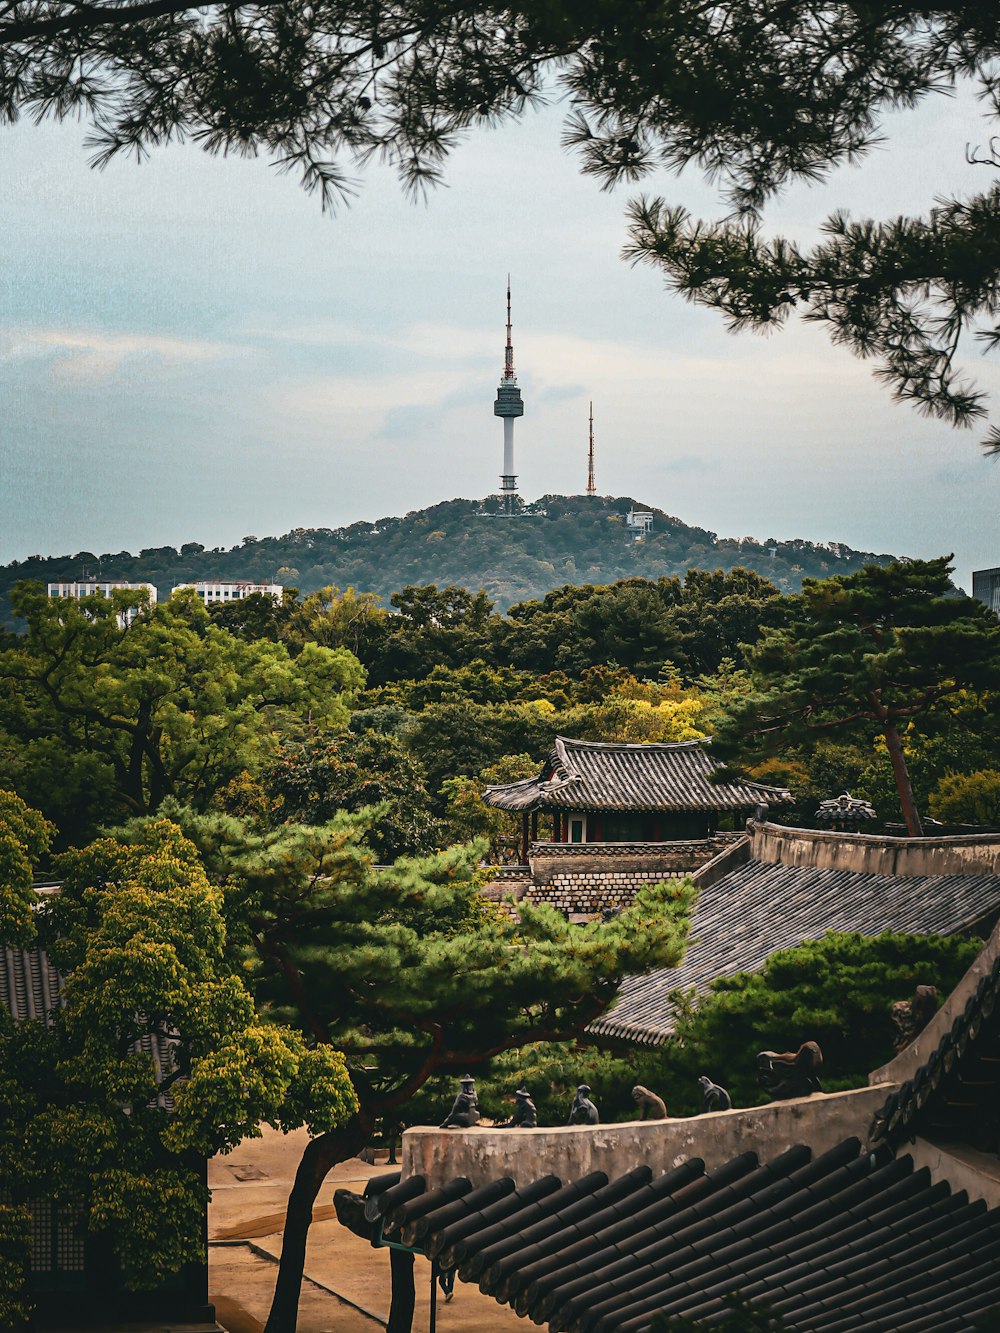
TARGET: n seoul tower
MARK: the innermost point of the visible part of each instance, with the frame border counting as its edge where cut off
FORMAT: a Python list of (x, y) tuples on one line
[(508, 405)]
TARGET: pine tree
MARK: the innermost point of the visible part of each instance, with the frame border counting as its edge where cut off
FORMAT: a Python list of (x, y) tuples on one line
[(410, 972), (879, 649), (754, 93)]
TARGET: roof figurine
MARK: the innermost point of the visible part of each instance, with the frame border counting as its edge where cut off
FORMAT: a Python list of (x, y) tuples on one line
[(845, 811)]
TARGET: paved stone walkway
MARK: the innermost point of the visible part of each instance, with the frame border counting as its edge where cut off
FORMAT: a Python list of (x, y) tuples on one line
[(348, 1286)]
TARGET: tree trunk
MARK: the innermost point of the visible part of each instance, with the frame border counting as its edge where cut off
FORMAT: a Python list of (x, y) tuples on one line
[(404, 1296), (903, 784), (320, 1155), (137, 753)]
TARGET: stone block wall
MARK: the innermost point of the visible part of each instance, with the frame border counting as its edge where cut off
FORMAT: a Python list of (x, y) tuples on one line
[(683, 856), (586, 893), (583, 879)]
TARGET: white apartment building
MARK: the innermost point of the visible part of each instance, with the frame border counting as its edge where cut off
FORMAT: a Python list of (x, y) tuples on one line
[(97, 588), (93, 588), (214, 593)]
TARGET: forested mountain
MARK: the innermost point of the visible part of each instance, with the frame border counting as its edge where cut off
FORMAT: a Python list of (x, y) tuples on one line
[(556, 540)]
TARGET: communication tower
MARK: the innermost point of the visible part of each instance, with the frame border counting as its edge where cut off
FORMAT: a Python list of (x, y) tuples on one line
[(508, 406), (591, 483)]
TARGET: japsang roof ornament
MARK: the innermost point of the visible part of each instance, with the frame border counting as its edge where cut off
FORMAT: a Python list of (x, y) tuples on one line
[(846, 810), (600, 775)]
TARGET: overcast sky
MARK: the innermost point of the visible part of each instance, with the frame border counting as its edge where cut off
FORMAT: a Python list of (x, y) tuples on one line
[(191, 351)]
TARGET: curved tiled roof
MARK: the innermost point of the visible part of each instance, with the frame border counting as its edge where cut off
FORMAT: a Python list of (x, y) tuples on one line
[(595, 775), (846, 1240), (30, 987), (741, 919)]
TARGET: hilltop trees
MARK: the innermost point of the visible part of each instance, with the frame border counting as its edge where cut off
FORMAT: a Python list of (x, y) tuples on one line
[(874, 652), (559, 538)]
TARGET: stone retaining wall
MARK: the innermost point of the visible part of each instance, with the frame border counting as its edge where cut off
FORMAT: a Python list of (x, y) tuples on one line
[(582, 880)]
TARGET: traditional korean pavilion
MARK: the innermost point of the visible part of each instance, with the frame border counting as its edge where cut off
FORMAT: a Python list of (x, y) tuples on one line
[(600, 792)]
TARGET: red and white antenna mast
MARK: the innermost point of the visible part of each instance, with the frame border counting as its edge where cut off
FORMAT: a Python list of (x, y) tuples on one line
[(591, 483)]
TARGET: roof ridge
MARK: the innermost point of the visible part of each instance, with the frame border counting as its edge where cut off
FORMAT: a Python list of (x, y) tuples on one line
[(635, 745)]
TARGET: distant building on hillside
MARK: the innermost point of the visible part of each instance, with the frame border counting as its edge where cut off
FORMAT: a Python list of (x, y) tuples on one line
[(214, 593), (638, 523), (986, 588), (95, 588)]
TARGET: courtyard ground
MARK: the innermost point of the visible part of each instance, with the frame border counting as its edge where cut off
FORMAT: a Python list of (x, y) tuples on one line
[(347, 1281)]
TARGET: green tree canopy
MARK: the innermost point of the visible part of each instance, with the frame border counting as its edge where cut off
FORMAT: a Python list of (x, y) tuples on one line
[(25, 838), (557, 538), (467, 816), (837, 991), (90, 1119), (110, 705), (970, 798), (310, 782), (410, 972), (877, 650)]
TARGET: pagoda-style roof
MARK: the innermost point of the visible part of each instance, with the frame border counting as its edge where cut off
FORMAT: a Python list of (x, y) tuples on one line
[(866, 1234), (598, 775)]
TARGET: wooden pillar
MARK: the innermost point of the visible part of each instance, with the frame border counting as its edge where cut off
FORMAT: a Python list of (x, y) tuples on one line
[(524, 838), (404, 1296), (555, 826)]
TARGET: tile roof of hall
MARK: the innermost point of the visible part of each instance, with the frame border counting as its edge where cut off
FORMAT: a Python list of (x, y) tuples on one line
[(741, 919), (847, 1240), (30, 986), (598, 775)]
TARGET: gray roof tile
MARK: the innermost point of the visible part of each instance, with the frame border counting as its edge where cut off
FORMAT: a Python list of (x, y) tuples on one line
[(595, 775), (858, 1238), (740, 920)]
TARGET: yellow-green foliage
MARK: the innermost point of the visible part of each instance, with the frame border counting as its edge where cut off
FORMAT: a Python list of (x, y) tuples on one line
[(25, 837), (968, 798), (14, 1250), (103, 720), (139, 933)]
